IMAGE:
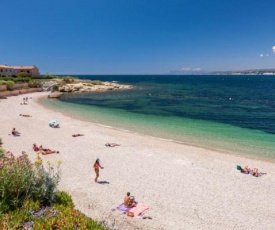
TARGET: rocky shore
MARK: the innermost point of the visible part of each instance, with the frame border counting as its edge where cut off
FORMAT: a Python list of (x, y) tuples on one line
[(82, 86)]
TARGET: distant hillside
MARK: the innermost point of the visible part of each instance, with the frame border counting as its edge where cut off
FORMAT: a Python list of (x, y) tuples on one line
[(247, 72)]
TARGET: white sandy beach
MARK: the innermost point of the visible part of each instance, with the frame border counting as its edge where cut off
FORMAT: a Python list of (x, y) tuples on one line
[(185, 187)]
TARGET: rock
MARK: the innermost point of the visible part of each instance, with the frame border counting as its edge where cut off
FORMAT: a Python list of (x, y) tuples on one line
[(83, 86)]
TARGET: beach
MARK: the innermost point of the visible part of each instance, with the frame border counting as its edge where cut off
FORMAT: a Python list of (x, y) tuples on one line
[(185, 187)]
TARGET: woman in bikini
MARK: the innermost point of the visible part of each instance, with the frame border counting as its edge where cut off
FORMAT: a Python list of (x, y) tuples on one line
[(96, 167)]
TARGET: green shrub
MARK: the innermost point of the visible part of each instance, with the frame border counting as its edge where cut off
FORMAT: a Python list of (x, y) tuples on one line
[(63, 198), (22, 180), (34, 84), (69, 79), (96, 82), (21, 79), (9, 85), (4, 78), (49, 76), (23, 75)]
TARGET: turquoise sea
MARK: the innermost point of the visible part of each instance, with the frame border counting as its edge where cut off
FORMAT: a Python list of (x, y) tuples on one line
[(233, 114)]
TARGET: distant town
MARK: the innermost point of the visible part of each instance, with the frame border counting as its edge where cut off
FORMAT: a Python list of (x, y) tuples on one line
[(247, 72), (239, 72)]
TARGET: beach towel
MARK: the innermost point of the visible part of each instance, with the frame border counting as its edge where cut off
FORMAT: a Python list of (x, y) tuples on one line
[(123, 208), (139, 209)]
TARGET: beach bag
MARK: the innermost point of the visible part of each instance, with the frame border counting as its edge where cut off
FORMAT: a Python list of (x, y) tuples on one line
[(239, 167), (131, 214)]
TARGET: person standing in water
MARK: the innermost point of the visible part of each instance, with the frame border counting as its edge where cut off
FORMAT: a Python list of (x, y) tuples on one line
[(96, 167)]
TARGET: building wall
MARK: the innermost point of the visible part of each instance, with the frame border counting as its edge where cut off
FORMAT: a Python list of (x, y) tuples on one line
[(5, 70), (13, 70)]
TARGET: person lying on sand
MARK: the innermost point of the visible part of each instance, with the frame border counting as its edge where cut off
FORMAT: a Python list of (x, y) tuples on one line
[(36, 148), (25, 115), (245, 170), (55, 125), (77, 135), (256, 173), (111, 144), (48, 152), (23, 103), (15, 133), (44, 151)]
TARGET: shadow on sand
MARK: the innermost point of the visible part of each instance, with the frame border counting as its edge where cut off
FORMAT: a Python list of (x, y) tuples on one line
[(103, 182)]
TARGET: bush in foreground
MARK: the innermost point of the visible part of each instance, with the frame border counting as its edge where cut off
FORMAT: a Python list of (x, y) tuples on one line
[(29, 198), (21, 181), (66, 218)]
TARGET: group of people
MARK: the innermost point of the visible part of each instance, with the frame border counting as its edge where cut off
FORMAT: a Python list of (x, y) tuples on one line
[(44, 151), (254, 172), (129, 201), (25, 101)]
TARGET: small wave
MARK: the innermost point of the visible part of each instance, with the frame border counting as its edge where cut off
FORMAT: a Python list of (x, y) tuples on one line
[(106, 126)]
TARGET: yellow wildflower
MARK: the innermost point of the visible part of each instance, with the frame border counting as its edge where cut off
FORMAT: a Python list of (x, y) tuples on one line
[(38, 162), (48, 162), (59, 162)]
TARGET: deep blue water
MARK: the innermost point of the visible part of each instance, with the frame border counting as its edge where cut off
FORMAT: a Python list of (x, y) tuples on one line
[(243, 101), (233, 114)]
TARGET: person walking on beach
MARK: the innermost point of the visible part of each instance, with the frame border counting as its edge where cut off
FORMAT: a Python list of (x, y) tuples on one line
[(96, 167)]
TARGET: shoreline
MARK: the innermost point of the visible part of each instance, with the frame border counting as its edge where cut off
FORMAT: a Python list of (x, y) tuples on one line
[(219, 150), (186, 187)]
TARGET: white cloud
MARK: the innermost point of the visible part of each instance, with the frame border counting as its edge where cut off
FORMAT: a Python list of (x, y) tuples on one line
[(273, 49), (267, 55), (261, 55), (190, 69)]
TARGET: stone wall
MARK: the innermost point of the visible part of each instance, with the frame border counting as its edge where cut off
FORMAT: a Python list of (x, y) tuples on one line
[(20, 85), (18, 92), (3, 87)]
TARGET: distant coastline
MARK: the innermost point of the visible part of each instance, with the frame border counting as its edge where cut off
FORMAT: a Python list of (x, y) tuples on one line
[(235, 72), (247, 72)]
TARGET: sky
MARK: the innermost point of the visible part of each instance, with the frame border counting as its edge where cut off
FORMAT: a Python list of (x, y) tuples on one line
[(138, 36)]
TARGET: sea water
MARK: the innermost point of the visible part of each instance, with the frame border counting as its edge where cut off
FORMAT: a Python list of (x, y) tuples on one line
[(233, 114)]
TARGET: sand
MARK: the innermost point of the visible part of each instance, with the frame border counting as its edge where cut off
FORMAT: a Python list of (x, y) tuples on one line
[(185, 187)]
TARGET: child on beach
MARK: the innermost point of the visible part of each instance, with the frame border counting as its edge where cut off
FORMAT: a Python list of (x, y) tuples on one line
[(96, 167)]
